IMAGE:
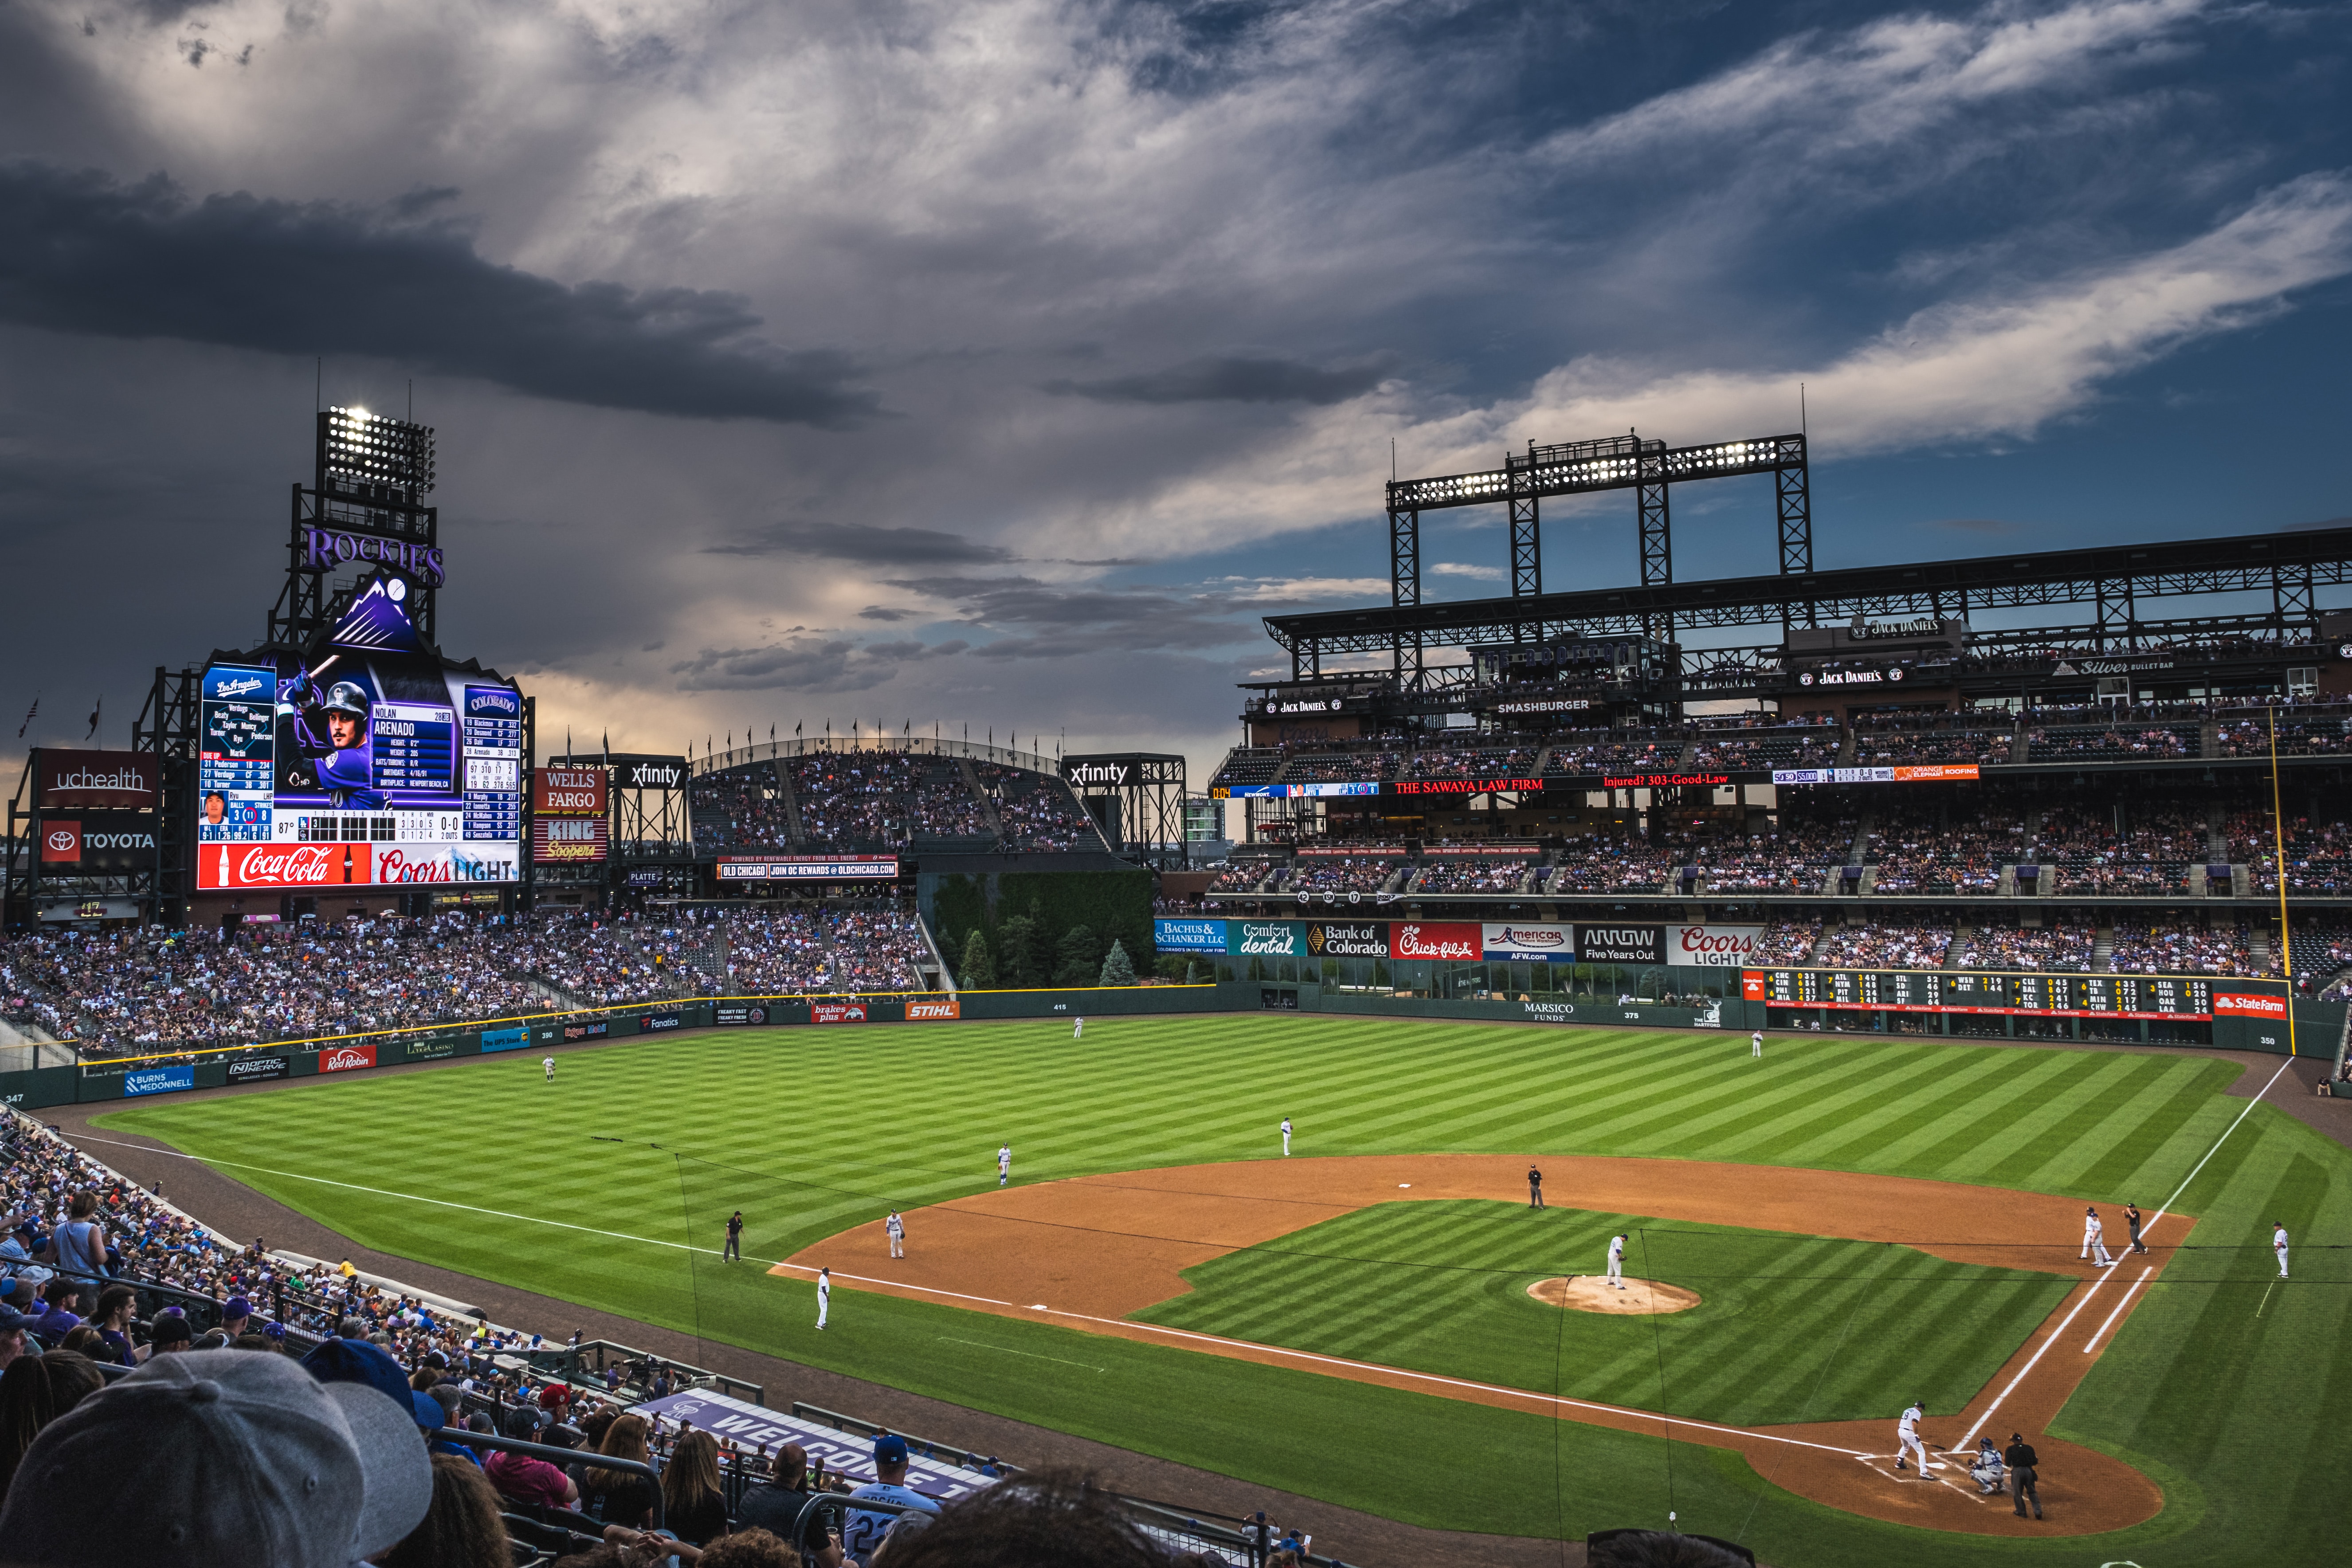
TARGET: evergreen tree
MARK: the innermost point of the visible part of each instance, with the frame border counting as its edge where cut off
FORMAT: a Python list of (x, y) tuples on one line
[(1077, 958), (1118, 968), (1016, 944), (979, 968)]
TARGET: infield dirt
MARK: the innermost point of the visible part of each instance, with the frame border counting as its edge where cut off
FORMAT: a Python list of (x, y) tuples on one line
[(1087, 1252)]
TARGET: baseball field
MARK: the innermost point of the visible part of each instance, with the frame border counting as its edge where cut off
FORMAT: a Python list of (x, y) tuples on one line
[(1861, 1222)]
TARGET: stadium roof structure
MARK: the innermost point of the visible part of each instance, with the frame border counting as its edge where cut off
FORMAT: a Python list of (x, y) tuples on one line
[(2289, 565)]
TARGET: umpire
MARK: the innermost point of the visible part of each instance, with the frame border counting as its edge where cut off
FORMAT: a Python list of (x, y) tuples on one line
[(2021, 1460), (1535, 1188)]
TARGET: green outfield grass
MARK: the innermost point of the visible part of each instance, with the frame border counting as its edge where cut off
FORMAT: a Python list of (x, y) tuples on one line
[(1788, 1328), (2225, 1397)]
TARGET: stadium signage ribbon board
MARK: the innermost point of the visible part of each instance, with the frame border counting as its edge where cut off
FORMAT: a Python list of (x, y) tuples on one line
[(158, 1080), (1188, 936), (809, 868), (748, 1426), (260, 1069), (1352, 940), (938, 1008), (1466, 786), (1920, 773), (95, 781), (1448, 940), (347, 1058), (2150, 996)]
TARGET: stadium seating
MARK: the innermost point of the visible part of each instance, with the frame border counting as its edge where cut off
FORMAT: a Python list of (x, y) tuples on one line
[(1038, 811)]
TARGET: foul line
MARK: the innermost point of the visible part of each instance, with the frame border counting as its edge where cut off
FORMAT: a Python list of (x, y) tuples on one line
[(2119, 1307), (2105, 1275)]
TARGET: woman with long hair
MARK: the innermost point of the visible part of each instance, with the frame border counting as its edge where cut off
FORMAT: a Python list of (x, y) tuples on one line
[(694, 1505), (461, 1527), (34, 1392), (622, 1496)]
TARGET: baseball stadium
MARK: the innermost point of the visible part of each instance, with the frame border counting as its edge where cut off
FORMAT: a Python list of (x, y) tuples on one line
[(1570, 1079)]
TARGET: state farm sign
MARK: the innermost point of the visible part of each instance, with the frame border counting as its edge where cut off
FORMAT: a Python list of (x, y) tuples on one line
[(1412, 938), (347, 1058), (2241, 1005), (286, 865)]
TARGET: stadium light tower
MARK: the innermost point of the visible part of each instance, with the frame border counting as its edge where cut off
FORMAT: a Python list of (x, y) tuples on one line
[(363, 513)]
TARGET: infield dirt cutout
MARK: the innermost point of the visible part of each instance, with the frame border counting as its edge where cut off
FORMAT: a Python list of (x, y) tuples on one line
[(1087, 1252), (1591, 1293)]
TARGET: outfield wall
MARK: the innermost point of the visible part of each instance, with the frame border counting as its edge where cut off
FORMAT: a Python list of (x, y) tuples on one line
[(2319, 1026)]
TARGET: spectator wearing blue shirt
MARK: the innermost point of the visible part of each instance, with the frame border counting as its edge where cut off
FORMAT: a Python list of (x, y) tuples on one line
[(863, 1531), (60, 1320)]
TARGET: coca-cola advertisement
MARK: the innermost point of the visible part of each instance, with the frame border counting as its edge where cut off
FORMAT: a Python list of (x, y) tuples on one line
[(347, 1058), (287, 865), (1416, 939)]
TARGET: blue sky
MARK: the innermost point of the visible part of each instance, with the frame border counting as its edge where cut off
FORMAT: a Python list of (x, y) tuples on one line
[(1001, 362)]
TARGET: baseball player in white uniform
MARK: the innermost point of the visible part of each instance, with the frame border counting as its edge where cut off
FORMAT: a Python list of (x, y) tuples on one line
[(2095, 1243), (1906, 1438), (897, 1230), (2278, 1244), (1756, 1044), (1286, 1135), (1004, 1165), (1077, 1029), (824, 1295), (549, 1063), (1617, 1261)]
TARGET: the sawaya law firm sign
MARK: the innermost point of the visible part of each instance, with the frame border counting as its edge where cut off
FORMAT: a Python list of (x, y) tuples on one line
[(1188, 935), (157, 1080)]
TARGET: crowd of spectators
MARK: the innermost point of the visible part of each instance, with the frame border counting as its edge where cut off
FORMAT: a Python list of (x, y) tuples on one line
[(2063, 948), (1240, 876), (2302, 735), (1890, 945), (2151, 855), (1786, 942), (740, 809), (1602, 865), (2100, 743), (1918, 852), (1798, 859), (1931, 738), (143, 991), (1471, 875), (1344, 767), (1605, 750), (1037, 812), (1340, 873), (2144, 947), (1467, 762)]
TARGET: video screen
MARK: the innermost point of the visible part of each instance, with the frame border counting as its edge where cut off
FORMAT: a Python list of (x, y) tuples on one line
[(370, 762)]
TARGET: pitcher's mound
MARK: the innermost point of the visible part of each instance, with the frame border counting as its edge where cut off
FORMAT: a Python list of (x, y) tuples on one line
[(1593, 1293)]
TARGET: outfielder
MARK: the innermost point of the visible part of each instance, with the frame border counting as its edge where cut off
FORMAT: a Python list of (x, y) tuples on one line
[(1004, 1165), (1907, 1439), (896, 1229), (1077, 1029), (824, 1295), (1286, 1137), (2095, 1243), (1617, 1261), (2278, 1244), (1755, 1044), (549, 1063)]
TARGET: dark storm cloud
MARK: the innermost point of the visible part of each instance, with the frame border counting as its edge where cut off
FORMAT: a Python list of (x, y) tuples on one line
[(1232, 379), (865, 546), (805, 664), (82, 253), (1053, 621)]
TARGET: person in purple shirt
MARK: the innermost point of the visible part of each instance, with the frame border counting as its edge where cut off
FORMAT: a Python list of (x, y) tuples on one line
[(60, 1320)]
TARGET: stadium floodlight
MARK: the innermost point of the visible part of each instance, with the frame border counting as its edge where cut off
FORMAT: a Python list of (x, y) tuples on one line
[(365, 448)]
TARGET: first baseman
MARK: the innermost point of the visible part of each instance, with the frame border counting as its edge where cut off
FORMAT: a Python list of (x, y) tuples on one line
[(896, 1229), (1617, 1261), (2095, 1243), (1906, 1438)]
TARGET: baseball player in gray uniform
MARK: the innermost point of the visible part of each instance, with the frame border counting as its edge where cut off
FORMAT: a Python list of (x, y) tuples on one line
[(2094, 1242), (2278, 1244), (895, 1229), (824, 1295), (1285, 1136)]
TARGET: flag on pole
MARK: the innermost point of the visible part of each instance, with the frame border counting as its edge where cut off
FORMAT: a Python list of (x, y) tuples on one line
[(94, 712), (30, 714)]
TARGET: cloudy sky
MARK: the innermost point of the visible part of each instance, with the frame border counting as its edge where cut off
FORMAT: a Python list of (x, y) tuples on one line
[(1001, 362)]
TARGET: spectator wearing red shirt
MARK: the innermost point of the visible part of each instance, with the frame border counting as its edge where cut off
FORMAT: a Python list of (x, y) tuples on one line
[(526, 1479)]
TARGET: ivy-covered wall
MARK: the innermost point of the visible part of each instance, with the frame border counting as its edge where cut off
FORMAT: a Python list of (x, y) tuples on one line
[(1028, 919)]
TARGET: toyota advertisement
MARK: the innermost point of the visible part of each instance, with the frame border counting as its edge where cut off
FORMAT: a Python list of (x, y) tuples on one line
[(368, 761)]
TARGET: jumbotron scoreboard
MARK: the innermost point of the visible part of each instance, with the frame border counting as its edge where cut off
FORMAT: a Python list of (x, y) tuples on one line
[(2156, 997)]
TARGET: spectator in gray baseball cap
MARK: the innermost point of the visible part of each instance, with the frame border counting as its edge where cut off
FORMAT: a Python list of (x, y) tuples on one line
[(268, 1465)]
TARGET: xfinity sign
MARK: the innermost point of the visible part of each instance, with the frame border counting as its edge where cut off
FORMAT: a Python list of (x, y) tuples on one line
[(1090, 775)]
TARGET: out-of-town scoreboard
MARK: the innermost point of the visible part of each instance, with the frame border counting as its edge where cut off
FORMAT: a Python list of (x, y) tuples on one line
[(2158, 996)]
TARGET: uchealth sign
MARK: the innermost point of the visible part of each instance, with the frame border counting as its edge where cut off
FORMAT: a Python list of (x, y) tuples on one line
[(95, 781)]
